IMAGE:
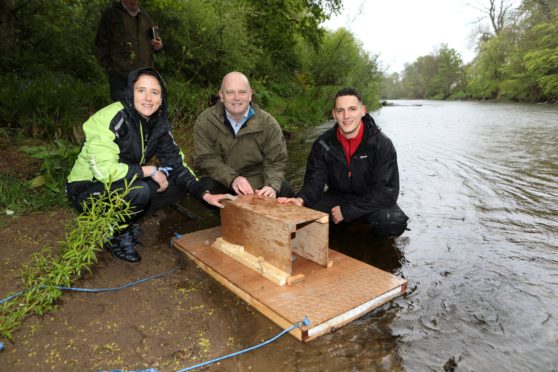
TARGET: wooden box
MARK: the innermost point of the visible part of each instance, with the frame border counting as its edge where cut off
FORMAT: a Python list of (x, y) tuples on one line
[(273, 232)]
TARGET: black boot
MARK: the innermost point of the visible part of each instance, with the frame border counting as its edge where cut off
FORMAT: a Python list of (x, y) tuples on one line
[(122, 247), (136, 231)]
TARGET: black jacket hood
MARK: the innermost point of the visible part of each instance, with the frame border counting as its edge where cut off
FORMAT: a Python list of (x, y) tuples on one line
[(129, 98)]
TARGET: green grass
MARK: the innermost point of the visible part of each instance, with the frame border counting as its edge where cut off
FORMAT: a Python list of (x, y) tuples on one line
[(17, 196)]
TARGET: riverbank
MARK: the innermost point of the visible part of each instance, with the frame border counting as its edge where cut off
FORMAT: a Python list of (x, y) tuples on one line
[(167, 323)]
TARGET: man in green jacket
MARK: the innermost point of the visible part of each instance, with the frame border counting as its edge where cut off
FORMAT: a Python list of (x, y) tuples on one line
[(238, 147), (125, 40)]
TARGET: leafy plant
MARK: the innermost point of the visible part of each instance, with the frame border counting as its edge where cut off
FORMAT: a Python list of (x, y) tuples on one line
[(50, 269), (57, 160)]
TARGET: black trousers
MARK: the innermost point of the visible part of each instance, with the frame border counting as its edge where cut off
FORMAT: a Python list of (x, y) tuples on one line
[(118, 86), (383, 222), (144, 198), (215, 187)]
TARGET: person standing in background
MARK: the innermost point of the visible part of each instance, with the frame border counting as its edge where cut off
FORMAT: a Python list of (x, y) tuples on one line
[(126, 39)]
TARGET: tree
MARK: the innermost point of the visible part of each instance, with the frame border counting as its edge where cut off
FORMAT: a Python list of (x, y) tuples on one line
[(273, 26), (499, 14), (541, 55), (391, 87), (448, 75), (54, 35)]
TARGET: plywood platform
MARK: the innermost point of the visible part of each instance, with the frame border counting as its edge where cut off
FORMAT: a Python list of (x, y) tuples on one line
[(330, 297)]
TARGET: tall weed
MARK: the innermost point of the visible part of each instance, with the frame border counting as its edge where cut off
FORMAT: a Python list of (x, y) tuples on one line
[(51, 269)]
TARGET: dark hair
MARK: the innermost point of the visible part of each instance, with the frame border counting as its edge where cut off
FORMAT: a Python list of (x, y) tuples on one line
[(149, 72), (347, 92), (134, 76)]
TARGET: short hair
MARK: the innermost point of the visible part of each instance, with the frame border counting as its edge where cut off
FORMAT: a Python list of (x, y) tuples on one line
[(347, 92)]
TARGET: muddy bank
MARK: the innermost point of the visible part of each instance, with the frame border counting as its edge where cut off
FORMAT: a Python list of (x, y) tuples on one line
[(168, 323)]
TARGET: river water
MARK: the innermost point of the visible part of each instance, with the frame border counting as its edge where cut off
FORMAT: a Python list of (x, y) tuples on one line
[(479, 182)]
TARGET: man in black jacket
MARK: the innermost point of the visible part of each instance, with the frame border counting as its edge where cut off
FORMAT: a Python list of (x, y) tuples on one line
[(358, 164)]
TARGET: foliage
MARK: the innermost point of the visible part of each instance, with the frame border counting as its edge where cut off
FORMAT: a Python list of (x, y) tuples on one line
[(391, 86), (202, 40), (439, 75), (57, 160), (50, 269), (274, 26), (50, 97), (186, 101), (47, 188), (54, 35), (541, 61), (487, 69), (50, 104), (18, 197), (520, 62), (340, 61)]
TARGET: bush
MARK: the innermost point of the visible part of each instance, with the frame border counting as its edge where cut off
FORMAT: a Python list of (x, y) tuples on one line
[(49, 106)]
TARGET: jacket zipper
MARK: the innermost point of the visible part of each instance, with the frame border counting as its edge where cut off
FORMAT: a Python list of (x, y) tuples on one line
[(142, 143)]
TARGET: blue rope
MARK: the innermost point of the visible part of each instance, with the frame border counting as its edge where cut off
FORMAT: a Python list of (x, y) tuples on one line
[(97, 290), (304, 322), (11, 297)]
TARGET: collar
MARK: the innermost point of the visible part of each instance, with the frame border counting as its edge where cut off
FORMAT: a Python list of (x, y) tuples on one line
[(350, 145), (247, 115), (133, 14)]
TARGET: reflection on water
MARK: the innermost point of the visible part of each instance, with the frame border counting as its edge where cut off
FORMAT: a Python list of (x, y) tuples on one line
[(480, 184)]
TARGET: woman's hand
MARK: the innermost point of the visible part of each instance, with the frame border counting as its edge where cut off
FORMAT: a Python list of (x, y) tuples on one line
[(215, 199), (159, 177)]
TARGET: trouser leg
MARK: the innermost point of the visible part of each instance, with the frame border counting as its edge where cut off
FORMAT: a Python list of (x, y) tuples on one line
[(159, 200), (117, 86), (388, 222), (138, 196), (286, 190), (214, 187), (383, 222), (143, 195)]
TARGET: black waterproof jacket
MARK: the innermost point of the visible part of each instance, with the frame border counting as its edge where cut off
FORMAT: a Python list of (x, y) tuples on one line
[(119, 141), (372, 181)]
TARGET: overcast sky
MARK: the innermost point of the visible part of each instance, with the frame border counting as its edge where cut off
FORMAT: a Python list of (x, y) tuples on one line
[(402, 30)]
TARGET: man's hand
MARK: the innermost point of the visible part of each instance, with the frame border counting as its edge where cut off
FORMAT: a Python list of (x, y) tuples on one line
[(217, 198), (295, 201), (241, 186), (267, 191), (157, 44), (336, 214)]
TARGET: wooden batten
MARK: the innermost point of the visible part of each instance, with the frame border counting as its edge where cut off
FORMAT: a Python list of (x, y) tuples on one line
[(257, 264)]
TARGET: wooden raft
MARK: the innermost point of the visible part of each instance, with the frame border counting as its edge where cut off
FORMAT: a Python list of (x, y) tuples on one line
[(330, 296)]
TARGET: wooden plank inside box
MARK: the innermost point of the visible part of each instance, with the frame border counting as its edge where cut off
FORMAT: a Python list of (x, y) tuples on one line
[(330, 297), (274, 231)]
